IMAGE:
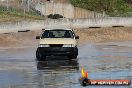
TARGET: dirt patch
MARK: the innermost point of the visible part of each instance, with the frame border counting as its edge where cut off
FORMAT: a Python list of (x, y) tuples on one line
[(19, 39), (104, 34), (86, 35)]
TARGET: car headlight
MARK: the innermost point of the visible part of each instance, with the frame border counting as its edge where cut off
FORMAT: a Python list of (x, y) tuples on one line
[(44, 45), (68, 45)]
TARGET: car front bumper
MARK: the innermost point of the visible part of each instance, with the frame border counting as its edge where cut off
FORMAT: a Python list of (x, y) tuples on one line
[(58, 51)]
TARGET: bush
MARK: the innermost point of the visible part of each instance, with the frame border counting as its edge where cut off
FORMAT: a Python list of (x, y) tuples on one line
[(55, 16)]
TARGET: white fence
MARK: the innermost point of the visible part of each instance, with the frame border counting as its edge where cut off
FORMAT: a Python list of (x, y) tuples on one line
[(62, 23)]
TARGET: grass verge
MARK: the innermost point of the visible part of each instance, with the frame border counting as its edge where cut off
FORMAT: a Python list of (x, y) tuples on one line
[(13, 15)]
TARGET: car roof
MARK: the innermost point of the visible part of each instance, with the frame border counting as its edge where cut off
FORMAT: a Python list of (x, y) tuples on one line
[(58, 29)]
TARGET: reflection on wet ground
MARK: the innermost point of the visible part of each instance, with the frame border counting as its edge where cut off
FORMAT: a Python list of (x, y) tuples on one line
[(18, 68), (58, 65)]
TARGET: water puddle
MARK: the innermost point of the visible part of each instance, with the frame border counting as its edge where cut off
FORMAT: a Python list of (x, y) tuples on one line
[(19, 69)]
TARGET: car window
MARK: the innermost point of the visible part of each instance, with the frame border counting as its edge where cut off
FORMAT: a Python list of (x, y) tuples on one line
[(57, 34)]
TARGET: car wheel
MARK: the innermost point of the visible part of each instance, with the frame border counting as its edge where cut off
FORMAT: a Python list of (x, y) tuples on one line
[(39, 56), (72, 57)]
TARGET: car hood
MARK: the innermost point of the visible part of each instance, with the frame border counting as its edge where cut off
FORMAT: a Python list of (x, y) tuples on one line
[(58, 41)]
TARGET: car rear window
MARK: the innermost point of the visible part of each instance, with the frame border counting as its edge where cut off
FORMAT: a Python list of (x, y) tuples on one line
[(57, 34)]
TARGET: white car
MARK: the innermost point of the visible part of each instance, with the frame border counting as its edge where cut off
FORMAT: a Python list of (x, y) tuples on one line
[(57, 42)]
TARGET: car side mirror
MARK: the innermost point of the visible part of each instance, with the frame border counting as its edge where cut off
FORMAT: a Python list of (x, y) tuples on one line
[(77, 37), (37, 37)]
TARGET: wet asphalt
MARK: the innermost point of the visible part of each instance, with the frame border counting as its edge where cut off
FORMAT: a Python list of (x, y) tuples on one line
[(19, 68)]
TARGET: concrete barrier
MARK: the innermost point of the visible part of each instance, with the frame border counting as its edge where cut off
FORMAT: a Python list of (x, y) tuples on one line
[(68, 23)]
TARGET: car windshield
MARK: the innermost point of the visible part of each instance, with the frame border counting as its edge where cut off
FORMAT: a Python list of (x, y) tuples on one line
[(57, 34)]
